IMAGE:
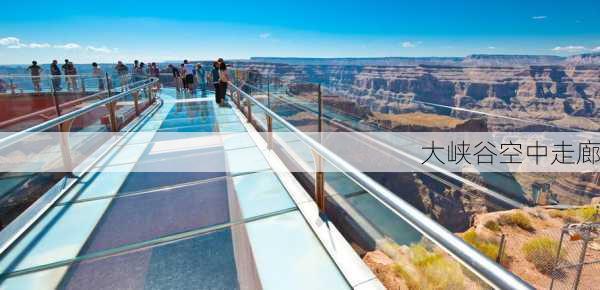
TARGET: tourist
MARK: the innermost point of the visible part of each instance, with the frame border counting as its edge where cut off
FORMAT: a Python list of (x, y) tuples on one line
[(35, 70), (154, 70), (65, 67), (176, 77), (201, 77), (3, 86), (98, 74), (70, 74), (141, 69), (73, 75), (223, 82), (188, 72), (122, 71), (155, 73), (55, 72), (135, 70), (215, 81)]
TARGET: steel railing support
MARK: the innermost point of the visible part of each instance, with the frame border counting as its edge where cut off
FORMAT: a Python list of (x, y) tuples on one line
[(65, 148), (269, 132), (136, 97)]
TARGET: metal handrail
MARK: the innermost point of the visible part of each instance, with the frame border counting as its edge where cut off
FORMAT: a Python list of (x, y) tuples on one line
[(484, 268), (11, 139)]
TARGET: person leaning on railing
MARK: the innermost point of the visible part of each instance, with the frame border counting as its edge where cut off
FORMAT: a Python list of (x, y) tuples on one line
[(35, 71)]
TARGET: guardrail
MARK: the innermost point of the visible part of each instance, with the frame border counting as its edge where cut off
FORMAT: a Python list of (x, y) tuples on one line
[(110, 101), (25, 220), (486, 269)]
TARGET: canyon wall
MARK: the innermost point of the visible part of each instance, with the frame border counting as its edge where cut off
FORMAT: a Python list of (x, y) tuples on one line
[(565, 96)]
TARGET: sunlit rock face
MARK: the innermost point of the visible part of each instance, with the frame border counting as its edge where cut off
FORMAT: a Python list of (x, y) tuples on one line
[(562, 91)]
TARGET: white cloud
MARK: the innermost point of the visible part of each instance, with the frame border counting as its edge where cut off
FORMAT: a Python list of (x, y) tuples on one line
[(596, 48), (570, 48), (18, 45), (541, 17), (13, 42), (68, 46), (10, 41), (409, 44), (102, 49), (491, 47), (264, 35), (38, 45)]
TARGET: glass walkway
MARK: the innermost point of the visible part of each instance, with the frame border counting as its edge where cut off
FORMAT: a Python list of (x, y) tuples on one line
[(122, 227)]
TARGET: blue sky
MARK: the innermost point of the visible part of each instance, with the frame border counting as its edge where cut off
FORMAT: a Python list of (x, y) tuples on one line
[(172, 30)]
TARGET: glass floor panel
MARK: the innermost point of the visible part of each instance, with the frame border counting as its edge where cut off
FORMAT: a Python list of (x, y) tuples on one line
[(261, 193), (136, 229), (246, 160), (287, 253)]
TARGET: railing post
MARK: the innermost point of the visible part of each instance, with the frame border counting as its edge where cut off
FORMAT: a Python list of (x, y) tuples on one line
[(112, 114), (319, 175), (320, 116), (65, 149), (136, 95), (249, 108), (268, 92), (55, 99), (319, 181), (82, 84), (269, 132), (12, 86)]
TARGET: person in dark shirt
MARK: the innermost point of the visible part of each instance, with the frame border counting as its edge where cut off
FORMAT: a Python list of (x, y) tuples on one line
[(223, 82), (36, 71), (55, 72), (70, 71), (215, 80)]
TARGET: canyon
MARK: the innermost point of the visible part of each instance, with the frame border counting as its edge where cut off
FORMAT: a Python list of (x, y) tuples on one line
[(536, 93)]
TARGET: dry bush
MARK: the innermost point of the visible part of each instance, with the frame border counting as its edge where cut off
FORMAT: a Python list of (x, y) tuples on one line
[(541, 251), (518, 219)]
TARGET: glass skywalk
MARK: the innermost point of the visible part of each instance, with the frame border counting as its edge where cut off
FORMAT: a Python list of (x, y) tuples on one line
[(131, 228)]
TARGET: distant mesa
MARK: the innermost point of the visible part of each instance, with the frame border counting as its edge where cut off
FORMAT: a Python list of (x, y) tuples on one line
[(470, 60)]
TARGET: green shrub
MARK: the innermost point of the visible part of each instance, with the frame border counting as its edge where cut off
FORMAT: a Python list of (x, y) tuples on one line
[(518, 219), (492, 225), (490, 249), (541, 252)]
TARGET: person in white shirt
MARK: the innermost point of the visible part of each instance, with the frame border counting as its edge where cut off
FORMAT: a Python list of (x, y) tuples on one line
[(188, 73), (99, 74)]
